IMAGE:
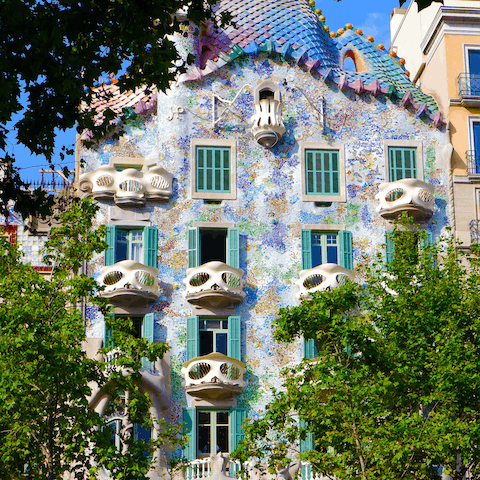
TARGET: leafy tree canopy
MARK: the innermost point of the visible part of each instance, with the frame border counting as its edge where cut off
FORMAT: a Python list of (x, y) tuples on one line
[(46, 425), (394, 390)]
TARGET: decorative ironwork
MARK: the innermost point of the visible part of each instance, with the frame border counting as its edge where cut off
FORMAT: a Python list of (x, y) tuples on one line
[(475, 231), (468, 85), (473, 162)]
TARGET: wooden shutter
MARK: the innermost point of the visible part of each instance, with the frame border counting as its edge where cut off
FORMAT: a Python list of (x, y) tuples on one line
[(237, 417), (110, 237), (190, 430), (345, 257), (108, 333), (309, 350), (233, 255), (192, 338), (306, 248), (234, 338), (193, 247), (150, 244), (147, 332), (402, 163), (308, 443), (389, 247)]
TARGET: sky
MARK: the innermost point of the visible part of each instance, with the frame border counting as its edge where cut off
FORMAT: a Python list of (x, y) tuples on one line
[(371, 16)]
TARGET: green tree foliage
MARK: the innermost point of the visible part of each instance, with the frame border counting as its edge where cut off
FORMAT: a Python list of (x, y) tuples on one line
[(46, 425), (394, 391), (53, 51)]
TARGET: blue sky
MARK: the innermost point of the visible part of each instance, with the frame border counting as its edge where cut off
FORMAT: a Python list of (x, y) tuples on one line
[(373, 17)]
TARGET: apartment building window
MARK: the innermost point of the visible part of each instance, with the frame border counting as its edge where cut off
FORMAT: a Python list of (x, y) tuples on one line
[(143, 327), (403, 159), (137, 244), (207, 335), (139, 433), (323, 172), (210, 431), (319, 247), (213, 244), (214, 171)]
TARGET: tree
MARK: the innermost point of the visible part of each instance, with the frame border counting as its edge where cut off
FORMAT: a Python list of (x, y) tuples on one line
[(46, 425), (394, 390), (54, 51)]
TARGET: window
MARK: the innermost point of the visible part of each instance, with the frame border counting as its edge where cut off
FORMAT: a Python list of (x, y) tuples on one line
[(403, 159), (143, 326), (137, 244), (323, 172), (213, 244), (212, 431), (139, 433), (471, 84), (473, 156), (319, 247), (207, 335), (214, 172)]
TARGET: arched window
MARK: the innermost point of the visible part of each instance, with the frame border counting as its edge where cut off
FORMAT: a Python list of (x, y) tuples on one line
[(349, 62)]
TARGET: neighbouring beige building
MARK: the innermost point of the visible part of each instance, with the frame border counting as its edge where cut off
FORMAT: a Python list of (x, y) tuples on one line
[(441, 45)]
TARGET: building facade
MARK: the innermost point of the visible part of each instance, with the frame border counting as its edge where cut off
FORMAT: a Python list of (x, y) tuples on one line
[(442, 47), (269, 171)]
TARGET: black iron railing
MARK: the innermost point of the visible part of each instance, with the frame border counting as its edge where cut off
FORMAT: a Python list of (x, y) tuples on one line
[(468, 85), (473, 162), (51, 181), (475, 231)]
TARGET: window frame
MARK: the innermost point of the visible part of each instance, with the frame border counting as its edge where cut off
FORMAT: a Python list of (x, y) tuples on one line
[(340, 149), (417, 144), (214, 143), (472, 119), (213, 429)]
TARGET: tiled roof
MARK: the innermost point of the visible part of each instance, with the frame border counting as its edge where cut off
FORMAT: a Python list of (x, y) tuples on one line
[(292, 29)]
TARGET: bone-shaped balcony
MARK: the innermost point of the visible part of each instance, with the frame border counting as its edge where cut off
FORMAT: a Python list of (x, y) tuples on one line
[(323, 277), (128, 187), (267, 123), (214, 284), (214, 376), (129, 283), (408, 195)]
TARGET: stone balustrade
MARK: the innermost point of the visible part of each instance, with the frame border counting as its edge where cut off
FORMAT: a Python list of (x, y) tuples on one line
[(214, 284), (129, 187), (214, 377), (409, 195), (130, 283), (267, 123), (323, 277)]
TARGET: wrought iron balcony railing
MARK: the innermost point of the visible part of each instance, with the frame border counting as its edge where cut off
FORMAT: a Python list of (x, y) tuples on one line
[(214, 376), (475, 231), (473, 162), (214, 284), (128, 186), (409, 195), (129, 283), (322, 277), (469, 87)]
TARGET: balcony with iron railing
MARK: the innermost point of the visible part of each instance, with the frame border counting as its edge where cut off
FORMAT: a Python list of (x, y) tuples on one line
[(214, 285), (469, 89), (128, 187), (473, 162), (409, 195), (322, 277), (129, 283), (214, 377)]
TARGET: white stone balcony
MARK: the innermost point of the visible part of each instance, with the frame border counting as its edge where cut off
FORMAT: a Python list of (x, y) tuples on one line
[(409, 195), (130, 283), (267, 123), (214, 285), (214, 377), (323, 277), (128, 187)]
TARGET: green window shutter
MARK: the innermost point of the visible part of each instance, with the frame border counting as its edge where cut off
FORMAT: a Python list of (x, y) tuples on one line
[(345, 258), (147, 332), (237, 417), (212, 166), (322, 172), (193, 247), (389, 247), (234, 336), (402, 163), (308, 443), (150, 239), (309, 350), (233, 256), (108, 333), (110, 239), (306, 248), (192, 338), (190, 430)]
